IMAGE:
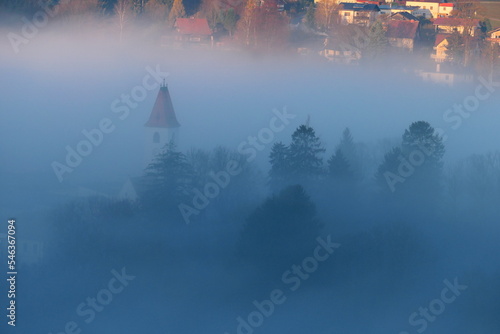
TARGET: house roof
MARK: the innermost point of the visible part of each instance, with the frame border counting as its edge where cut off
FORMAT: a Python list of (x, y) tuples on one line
[(163, 114), (404, 16), (446, 4), (368, 1), (402, 29), (192, 26), (493, 31), (359, 7), (454, 22), (440, 38), (426, 1)]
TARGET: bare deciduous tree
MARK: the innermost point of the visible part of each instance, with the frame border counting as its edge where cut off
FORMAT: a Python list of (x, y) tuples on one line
[(123, 12)]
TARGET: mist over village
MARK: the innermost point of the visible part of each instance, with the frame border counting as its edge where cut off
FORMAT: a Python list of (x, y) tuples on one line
[(249, 166)]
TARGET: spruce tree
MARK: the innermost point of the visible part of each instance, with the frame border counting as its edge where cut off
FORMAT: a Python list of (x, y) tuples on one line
[(280, 166), (306, 152), (339, 168), (168, 179)]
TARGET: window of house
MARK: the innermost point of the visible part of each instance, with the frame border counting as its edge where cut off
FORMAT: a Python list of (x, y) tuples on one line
[(347, 14)]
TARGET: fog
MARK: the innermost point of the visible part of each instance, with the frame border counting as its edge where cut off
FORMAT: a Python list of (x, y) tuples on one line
[(394, 254)]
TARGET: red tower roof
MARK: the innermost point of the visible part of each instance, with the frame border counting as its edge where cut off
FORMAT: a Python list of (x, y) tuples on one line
[(163, 114)]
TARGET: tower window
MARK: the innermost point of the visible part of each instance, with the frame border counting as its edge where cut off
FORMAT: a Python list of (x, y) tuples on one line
[(156, 138)]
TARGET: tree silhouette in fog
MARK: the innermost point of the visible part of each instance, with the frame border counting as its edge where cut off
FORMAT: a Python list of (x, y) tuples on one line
[(424, 150), (351, 153), (281, 231), (168, 180), (306, 151), (339, 168), (279, 173), (413, 172), (390, 163)]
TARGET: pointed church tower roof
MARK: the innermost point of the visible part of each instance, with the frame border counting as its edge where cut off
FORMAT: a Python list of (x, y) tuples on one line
[(163, 114)]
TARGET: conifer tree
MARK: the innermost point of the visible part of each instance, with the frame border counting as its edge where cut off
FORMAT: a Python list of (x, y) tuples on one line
[(280, 166), (176, 12), (306, 153)]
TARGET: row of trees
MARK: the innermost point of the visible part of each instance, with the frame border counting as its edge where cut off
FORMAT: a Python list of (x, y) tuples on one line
[(308, 193), (412, 169)]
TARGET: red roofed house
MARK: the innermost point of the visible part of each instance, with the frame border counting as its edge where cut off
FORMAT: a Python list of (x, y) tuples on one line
[(445, 9), (193, 30), (162, 126), (441, 43), (440, 48), (402, 34), (451, 24)]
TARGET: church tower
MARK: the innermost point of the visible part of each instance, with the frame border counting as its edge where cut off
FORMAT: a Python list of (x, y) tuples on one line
[(162, 126)]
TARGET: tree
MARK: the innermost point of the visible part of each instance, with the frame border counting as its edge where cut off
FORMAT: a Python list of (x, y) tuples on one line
[(271, 27), (123, 12), (83, 9), (263, 27), (26, 6), (421, 136), (158, 10), (377, 42), (138, 6), (489, 58), (281, 231), (176, 12), (310, 18), (387, 176), (280, 165), (455, 49), (423, 150), (246, 24), (168, 179), (339, 168), (305, 153), (469, 11), (229, 18), (486, 26), (347, 146), (413, 172), (325, 13), (211, 10)]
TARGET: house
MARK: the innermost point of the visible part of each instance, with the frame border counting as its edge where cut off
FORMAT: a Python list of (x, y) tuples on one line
[(389, 10), (428, 9), (402, 33), (440, 47), (402, 16), (445, 9), (280, 4), (359, 14), (338, 51), (448, 25), (193, 30), (494, 36), (441, 43), (449, 78)]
